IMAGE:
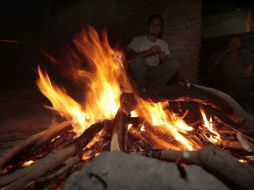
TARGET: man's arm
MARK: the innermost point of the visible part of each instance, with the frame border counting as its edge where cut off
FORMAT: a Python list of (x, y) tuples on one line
[(164, 52), (248, 63), (219, 58)]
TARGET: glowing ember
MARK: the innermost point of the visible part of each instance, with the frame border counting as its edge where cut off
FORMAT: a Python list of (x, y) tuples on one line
[(28, 163), (129, 126), (134, 114), (242, 160), (142, 128)]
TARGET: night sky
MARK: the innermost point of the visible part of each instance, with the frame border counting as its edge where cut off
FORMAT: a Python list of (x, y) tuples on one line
[(19, 10)]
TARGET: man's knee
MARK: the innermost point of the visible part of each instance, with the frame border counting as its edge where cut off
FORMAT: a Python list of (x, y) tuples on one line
[(172, 65)]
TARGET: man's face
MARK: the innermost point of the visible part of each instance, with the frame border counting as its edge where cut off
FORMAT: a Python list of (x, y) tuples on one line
[(235, 43), (155, 27)]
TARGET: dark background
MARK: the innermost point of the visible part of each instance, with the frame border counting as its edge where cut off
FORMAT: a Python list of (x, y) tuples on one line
[(30, 28)]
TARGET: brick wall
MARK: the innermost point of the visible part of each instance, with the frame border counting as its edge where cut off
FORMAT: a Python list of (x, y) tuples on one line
[(182, 32), (182, 28), (44, 26)]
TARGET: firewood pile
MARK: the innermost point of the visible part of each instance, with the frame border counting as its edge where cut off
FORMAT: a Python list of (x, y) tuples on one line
[(46, 159)]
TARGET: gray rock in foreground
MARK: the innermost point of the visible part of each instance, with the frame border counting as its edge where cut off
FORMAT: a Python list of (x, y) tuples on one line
[(117, 170)]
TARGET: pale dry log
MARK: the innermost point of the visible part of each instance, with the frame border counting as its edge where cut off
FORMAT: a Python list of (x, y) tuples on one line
[(37, 139), (63, 171), (214, 160), (56, 178), (119, 134)]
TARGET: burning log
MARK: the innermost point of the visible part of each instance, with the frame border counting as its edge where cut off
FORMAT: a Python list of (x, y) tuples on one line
[(119, 135), (35, 140), (119, 132), (152, 135), (214, 160)]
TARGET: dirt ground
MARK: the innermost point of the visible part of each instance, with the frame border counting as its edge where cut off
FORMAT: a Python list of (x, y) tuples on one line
[(22, 113)]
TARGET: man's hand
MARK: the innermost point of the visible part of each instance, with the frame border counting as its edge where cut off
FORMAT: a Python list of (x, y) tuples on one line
[(247, 71), (155, 50), (163, 55)]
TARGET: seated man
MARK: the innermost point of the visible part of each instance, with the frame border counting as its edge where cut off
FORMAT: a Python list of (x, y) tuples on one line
[(151, 64), (232, 70)]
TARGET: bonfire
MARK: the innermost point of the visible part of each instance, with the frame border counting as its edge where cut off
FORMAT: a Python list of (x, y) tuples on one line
[(185, 123)]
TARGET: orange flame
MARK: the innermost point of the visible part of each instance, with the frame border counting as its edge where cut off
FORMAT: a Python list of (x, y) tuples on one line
[(103, 88), (215, 136), (105, 82)]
